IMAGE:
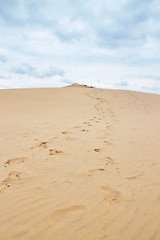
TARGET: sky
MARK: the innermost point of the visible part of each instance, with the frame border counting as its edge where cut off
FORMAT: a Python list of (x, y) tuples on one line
[(104, 43)]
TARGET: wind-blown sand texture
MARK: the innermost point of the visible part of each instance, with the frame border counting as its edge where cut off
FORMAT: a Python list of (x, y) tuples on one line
[(79, 163)]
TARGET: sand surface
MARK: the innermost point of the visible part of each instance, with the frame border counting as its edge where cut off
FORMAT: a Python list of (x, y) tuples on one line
[(79, 163)]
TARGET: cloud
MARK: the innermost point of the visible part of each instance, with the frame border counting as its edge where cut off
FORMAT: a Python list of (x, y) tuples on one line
[(67, 36), (13, 12), (68, 81), (50, 72), (31, 71), (24, 69), (3, 59), (101, 43)]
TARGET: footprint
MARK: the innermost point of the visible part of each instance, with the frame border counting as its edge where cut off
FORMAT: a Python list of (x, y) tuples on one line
[(88, 124), (131, 178), (43, 144), (118, 170), (91, 172), (84, 130), (71, 138), (108, 143), (62, 214), (97, 150), (40, 145), (110, 161), (12, 178), (54, 151), (66, 132), (111, 194), (14, 160)]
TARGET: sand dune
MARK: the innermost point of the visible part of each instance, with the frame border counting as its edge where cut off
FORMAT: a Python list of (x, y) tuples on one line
[(79, 163)]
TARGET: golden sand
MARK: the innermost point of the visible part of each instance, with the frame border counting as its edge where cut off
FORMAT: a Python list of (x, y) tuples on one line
[(79, 163)]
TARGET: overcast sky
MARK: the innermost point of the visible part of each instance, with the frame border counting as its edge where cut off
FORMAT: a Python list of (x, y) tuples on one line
[(103, 43)]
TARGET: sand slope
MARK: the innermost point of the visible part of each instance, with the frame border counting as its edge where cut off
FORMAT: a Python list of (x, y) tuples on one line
[(79, 163)]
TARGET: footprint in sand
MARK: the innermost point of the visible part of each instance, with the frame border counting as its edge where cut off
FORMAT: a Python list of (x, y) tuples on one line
[(62, 214), (91, 172), (88, 124), (68, 138), (92, 119), (66, 132), (55, 152), (43, 144), (84, 130), (40, 145), (14, 160), (111, 195), (118, 170), (13, 177), (97, 150), (77, 127), (108, 143), (131, 178), (110, 161)]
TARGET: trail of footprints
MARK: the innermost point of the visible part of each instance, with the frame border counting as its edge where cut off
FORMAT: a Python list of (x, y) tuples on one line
[(99, 108), (14, 176), (67, 134)]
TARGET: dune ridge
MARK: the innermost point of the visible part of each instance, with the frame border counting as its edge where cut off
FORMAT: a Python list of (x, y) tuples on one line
[(79, 163)]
